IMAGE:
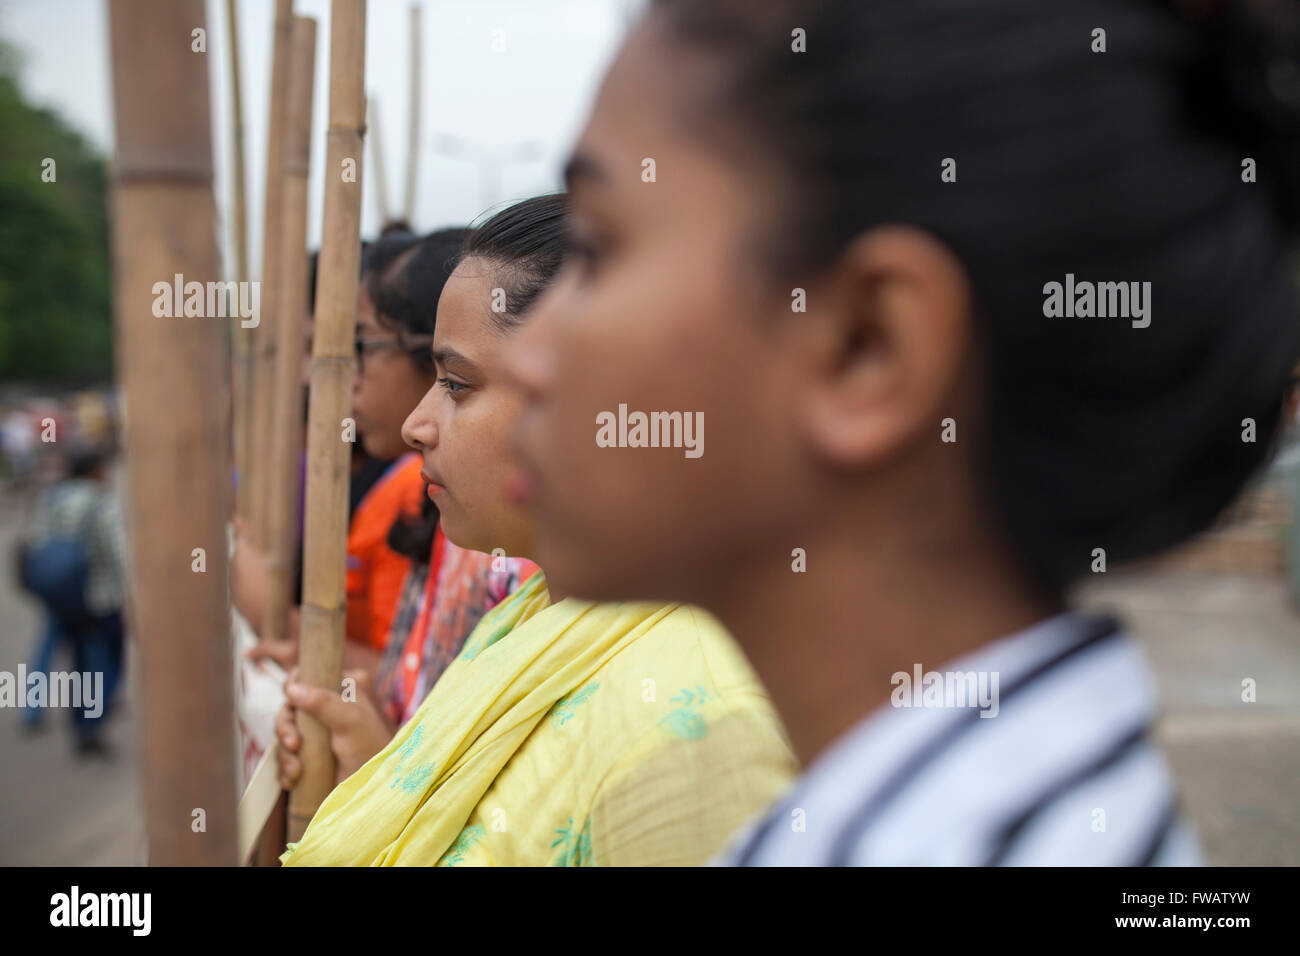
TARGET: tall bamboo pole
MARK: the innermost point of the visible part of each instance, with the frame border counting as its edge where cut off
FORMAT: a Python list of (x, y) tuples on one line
[(328, 454), (376, 136), (413, 124), (286, 412), (243, 337), (174, 376), (265, 339), (239, 201)]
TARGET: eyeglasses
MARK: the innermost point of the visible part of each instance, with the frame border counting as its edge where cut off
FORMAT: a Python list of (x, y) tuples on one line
[(411, 345)]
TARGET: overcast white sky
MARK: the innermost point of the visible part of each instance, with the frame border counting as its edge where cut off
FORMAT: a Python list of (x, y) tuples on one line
[(535, 91)]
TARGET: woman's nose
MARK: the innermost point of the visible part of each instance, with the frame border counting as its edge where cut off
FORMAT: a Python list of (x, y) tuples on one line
[(420, 431)]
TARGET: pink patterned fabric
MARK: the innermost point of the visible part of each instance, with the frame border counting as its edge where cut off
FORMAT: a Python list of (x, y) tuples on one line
[(434, 618)]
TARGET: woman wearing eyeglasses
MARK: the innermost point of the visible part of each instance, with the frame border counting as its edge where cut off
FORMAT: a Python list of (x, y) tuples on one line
[(394, 322), (393, 372)]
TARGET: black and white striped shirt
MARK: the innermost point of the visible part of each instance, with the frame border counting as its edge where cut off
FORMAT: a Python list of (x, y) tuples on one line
[(1062, 771)]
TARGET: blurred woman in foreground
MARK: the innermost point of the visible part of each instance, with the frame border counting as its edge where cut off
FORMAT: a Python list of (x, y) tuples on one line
[(974, 299)]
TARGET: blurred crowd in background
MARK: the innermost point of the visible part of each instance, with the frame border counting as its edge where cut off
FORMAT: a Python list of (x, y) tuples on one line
[(83, 418)]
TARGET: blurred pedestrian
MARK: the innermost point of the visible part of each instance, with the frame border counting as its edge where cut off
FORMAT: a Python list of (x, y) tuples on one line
[(73, 562), (19, 439)]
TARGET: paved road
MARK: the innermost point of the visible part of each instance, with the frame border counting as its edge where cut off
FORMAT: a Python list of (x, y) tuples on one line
[(1238, 764)]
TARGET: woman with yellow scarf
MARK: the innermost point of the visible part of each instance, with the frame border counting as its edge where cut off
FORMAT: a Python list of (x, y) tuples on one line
[(566, 733)]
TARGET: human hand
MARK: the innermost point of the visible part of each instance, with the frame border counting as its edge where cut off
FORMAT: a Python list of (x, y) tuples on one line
[(357, 727)]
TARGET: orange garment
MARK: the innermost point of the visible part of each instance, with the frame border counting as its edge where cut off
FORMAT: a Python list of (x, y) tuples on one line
[(375, 572)]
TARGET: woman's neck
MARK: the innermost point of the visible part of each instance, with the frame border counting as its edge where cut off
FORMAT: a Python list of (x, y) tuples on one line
[(553, 595), (826, 641)]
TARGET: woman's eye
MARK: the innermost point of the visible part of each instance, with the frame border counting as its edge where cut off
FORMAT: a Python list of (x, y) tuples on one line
[(586, 255), (451, 386)]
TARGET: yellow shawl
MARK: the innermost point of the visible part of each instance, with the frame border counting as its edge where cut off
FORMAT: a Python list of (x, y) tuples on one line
[(624, 771)]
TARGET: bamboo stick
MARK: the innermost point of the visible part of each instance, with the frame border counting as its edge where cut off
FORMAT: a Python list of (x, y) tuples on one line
[(239, 201), (324, 550), (413, 124), (265, 339), (174, 376), (243, 338), (375, 132), (286, 427)]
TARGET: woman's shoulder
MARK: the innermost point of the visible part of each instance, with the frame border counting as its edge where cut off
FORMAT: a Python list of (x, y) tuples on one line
[(702, 747), (654, 756), (680, 677), (689, 642)]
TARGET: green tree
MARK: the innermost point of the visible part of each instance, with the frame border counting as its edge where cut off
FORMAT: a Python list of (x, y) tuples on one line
[(55, 306)]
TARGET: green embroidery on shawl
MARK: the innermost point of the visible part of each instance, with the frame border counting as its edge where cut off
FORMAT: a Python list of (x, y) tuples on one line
[(489, 637), (695, 698), (412, 781), (468, 837), (415, 780), (479, 642), (405, 751), (685, 720), (576, 846), (566, 705)]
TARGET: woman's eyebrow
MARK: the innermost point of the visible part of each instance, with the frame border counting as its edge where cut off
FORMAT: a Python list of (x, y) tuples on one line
[(453, 361), (583, 168)]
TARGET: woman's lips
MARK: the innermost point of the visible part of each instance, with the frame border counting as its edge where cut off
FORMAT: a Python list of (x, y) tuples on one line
[(434, 487)]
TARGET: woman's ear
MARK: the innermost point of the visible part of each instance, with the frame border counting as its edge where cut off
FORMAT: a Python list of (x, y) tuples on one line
[(888, 345)]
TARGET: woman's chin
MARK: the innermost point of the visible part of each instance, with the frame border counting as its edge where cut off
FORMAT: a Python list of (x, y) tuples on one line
[(458, 532)]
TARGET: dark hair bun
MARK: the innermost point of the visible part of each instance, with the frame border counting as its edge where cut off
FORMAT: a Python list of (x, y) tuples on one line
[(1255, 49)]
